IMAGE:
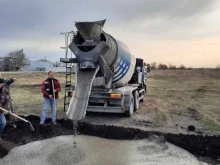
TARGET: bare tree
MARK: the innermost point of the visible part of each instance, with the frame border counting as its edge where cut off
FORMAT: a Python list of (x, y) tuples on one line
[(162, 66), (182, 67), (172, 67), (16, 60), (153, 65)]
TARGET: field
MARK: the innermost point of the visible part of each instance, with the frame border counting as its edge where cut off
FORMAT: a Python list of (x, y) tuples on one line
[(26, 92), (190, 94), (175, 99)]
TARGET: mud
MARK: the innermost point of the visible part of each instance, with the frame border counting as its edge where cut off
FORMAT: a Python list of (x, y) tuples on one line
[(199, 145)]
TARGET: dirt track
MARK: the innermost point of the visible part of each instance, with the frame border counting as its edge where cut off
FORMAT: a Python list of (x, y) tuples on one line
[(187, 123)]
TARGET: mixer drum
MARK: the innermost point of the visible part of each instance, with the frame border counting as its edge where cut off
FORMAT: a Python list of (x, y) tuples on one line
[(120, 58)]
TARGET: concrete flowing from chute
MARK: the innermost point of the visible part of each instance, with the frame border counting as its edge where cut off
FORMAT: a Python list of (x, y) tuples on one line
[(79, 101), (98, 151)]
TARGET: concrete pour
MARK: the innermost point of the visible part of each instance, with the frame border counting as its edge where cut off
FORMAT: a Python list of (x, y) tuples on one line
[(79, 101), (98, 151)]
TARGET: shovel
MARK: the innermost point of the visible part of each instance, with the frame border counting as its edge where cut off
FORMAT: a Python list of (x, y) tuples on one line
[(55, 107), (6, 111)]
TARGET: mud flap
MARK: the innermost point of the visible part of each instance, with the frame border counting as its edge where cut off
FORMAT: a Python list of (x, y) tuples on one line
[(78, 103)]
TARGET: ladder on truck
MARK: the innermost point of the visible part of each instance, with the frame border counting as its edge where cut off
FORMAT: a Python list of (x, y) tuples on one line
[(69, 70)]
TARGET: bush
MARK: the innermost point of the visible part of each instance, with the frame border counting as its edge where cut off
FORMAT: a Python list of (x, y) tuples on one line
[(153, 65), (162, 66), (172, 67), (182, 67)]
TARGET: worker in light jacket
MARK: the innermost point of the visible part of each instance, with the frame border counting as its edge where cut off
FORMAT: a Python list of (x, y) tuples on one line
[(50, 89)]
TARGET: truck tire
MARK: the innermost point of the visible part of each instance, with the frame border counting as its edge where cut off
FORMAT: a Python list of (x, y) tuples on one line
[(130, 111), (136, 100)]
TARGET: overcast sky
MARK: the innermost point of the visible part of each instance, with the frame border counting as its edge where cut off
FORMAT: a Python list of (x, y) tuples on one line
[(166, 31)]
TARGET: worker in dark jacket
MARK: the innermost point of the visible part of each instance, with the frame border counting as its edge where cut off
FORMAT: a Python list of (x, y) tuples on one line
[(50, 88), (8, 82), (5, 102)]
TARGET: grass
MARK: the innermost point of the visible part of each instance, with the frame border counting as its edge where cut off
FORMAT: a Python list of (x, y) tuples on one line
[(176, 91), (26, 93), (169, 92)]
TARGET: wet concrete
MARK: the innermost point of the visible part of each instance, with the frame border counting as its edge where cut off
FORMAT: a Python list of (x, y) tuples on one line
[(199, 145), (98, 151), (79, 101)]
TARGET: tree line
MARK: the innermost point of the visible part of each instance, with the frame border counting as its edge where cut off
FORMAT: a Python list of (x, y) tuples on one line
[(162, 66), (14, 61)]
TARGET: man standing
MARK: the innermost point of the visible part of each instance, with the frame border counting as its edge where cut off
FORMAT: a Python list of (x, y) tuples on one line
[(50, 88), (5, 102)]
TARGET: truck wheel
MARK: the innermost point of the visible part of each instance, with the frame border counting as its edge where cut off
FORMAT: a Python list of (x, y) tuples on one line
[(136, 100), (130, 111)]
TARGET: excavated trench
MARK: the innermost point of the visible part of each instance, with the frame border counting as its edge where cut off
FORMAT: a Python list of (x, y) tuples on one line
[(199, 145)]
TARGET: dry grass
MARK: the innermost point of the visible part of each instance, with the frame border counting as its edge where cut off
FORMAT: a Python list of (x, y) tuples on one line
[(26, 92), (178, 91), (169, 92)]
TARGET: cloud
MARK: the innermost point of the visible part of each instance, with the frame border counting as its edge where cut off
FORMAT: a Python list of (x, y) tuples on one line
[(20, 17), (31, 17), (35, 25)]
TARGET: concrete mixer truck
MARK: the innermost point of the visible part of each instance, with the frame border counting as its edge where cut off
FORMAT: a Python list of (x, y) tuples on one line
[(108, 78)]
